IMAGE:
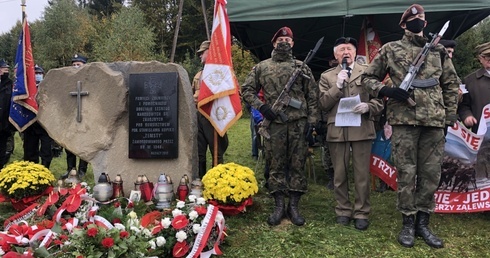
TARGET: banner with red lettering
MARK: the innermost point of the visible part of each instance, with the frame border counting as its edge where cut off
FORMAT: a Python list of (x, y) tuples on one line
[(465, 172)]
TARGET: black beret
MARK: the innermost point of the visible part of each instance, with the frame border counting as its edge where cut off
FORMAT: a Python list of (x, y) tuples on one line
[(346, 40), (448, 43)]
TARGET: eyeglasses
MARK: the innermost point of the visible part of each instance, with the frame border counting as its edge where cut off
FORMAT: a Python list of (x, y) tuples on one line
[(485, 57)]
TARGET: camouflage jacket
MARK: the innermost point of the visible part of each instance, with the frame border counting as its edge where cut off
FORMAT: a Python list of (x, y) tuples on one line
[(271, 75), (436, 106)]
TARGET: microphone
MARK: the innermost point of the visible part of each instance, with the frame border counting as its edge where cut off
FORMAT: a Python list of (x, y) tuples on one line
[(344, 63)]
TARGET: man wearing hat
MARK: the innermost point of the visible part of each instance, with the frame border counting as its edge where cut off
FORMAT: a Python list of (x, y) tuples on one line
[(71, 159), (287, 147), (339, 82), (478, 96), (37, 142), (206, 131), (418, 131), (6, 85)]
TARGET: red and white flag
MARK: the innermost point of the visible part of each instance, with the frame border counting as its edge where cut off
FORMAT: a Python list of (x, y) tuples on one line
[(369, 43), (219, 100)]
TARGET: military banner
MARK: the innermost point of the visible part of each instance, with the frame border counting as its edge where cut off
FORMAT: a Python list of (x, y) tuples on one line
[(23, 111), (218, 98)]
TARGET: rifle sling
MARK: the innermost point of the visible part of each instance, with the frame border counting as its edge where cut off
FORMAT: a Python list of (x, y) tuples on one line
[(427, 83)]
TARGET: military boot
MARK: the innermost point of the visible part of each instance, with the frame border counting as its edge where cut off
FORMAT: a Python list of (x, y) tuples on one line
[(71, 163), (422, 230), (406, 237), (278, 213), (293, 212)]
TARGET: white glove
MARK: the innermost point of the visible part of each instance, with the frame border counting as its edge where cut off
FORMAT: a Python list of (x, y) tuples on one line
[(341, 77), (361, 108)]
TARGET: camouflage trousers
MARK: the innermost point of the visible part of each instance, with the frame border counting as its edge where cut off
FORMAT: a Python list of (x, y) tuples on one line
[(417, 155), (326, 158), (287, 149)]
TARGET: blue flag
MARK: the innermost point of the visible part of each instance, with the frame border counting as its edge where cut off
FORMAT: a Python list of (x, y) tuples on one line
[(23, 111)]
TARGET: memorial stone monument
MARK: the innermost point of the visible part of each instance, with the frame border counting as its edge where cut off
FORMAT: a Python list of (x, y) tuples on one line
[(87, 110)]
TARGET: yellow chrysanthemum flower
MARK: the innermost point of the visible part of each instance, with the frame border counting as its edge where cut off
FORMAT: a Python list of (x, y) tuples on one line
[(22, 179), (229, 183)]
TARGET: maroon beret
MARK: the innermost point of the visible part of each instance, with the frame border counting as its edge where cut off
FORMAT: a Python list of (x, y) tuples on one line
[(411, 11), (282, 32)]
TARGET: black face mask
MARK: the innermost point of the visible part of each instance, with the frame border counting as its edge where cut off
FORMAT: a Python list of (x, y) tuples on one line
[(415, 25), (283, 47)]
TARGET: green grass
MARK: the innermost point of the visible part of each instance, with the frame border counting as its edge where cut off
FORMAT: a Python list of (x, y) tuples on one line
[(249, 235), (465, 235)]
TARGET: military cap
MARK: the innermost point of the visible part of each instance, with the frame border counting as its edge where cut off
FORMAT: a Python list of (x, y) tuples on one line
[(38, 69), (345, 40), (3, 64), (448, 43), (483, 49), (411, 11), (204, 46), (282, 32), (79, 58)]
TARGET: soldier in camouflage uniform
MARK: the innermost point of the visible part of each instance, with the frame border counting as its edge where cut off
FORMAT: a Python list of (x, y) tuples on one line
[(418, 131), (287, 145)]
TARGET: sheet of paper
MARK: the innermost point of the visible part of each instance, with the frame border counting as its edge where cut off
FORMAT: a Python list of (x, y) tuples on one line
[(345, 116), (463, 89)]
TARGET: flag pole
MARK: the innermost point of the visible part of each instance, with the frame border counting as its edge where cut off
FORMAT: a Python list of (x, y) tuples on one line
[(23, 4)]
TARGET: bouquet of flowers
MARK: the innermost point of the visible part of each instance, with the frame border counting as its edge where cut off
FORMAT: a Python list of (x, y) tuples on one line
[(229, 183), (120, 229), (23, 179)]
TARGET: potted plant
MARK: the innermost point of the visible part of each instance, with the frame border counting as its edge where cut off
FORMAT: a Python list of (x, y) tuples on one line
[(230, 187), (24, 182)]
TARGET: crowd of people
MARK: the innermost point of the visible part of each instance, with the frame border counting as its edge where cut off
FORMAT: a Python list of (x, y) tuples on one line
[(418, 130)]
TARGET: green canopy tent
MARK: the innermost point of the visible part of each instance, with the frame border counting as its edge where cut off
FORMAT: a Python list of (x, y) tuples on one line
[(254, 22)]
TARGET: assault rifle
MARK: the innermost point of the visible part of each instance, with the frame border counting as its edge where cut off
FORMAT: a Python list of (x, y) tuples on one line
[(419, 60), (284, 99)]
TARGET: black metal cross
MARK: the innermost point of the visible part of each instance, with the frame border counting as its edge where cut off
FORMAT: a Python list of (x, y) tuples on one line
[(79, 93)]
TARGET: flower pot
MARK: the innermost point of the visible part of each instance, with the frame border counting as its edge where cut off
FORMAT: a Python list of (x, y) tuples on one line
[(230, 209)]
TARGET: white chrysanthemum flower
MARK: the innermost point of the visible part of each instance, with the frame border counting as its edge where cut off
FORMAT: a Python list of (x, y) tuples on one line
[(192, 198), (166, 222), (132, 215), (119, 226), (176, 212), (180, 204), (181, 236), (153, 245), (201, 201), (136, 230), (193, 215), (146, 232), (161, 241), (196, 228)]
